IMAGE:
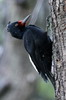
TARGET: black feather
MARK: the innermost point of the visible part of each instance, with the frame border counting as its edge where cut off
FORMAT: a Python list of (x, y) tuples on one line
[(38, 45)]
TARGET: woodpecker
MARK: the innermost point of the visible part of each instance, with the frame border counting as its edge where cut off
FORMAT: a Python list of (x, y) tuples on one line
[(37, 43)]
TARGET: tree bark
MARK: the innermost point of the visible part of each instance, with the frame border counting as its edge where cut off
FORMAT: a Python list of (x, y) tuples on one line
[(58, 15)]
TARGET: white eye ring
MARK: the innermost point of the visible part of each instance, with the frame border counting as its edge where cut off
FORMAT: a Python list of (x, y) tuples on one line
[(16, 24)]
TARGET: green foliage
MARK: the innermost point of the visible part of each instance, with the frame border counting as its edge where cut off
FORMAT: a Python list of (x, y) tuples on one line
[(45, 90)]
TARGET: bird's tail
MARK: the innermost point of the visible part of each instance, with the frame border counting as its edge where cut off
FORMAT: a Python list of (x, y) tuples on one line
[(52, 79), (48, 77)]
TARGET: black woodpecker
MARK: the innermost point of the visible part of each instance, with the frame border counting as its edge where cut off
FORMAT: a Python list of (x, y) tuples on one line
[(37, 43)]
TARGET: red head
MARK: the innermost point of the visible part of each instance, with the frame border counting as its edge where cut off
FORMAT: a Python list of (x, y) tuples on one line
[(20, 23), (17, 28), (24, 21)]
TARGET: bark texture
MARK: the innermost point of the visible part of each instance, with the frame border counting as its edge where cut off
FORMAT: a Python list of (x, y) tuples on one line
[(58, 14)]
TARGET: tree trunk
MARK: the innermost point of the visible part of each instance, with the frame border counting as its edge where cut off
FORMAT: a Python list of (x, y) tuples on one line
[(58, 15)]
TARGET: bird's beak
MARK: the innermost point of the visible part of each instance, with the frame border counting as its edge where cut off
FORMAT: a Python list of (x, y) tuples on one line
[(26, 19)]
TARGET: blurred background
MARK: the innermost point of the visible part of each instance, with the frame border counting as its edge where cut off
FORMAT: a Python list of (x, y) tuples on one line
[(18, 79)]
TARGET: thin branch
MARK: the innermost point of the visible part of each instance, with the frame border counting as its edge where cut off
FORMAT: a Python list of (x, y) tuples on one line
[(36, 11)]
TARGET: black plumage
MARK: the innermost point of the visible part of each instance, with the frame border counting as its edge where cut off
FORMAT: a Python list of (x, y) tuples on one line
[(38, 45)]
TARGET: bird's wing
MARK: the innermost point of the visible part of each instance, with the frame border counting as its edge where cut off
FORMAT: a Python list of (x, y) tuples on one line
[(29, 42), (30, 48), (41, 64)]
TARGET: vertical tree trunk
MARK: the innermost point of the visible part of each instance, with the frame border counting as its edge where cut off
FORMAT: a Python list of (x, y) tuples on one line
[(58, 14)]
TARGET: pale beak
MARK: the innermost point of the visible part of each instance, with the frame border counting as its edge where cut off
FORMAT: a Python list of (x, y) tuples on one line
[(26, 19)]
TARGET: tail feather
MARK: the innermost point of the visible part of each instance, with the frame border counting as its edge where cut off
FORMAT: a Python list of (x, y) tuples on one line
[(48, 77), (52, 79), (44, 76)]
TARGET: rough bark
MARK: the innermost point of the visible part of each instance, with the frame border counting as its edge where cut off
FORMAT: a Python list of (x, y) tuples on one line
[(58, 15)]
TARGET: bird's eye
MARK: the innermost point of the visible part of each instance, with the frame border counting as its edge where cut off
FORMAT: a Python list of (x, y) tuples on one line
[(16, 24)]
